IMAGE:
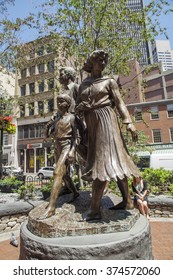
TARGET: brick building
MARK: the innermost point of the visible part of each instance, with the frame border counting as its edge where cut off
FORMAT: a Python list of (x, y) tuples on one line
[(36, 89), (151, 105)]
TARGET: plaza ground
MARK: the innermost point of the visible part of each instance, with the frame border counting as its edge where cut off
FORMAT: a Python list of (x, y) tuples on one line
[(161, 232)]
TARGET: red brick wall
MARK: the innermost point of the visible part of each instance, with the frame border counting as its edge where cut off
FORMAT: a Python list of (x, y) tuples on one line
[(164, 123), (154, 95), (131, 84)]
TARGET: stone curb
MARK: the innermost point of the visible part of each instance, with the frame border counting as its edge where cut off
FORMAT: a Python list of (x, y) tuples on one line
[(13, 208)]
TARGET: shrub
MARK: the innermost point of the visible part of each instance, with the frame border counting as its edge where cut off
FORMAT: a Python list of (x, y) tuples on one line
[(10, 184), (157, 177), (171, 189), (26, 191)]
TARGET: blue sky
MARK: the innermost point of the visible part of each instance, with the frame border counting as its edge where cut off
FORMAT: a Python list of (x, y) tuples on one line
[(23, 7)]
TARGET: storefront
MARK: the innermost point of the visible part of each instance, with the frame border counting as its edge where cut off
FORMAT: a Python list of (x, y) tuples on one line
[(34, 156)]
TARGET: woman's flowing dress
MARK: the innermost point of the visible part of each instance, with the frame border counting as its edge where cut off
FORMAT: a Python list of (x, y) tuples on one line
[(107, 156)]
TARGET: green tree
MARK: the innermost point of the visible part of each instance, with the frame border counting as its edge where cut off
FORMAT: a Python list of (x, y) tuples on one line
[(84, 26), (10, 35), (88, 25)]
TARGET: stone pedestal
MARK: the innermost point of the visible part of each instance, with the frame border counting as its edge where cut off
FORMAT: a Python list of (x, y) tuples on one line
[(121, 234)]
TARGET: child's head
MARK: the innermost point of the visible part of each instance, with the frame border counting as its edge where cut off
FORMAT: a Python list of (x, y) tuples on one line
[(63, 102), (66, 74)]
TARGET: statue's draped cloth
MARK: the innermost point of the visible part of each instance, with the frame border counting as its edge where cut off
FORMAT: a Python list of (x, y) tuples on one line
[(107, 156)]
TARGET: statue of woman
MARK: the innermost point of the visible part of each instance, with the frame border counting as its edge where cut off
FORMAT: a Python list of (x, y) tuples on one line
[(100, 104)]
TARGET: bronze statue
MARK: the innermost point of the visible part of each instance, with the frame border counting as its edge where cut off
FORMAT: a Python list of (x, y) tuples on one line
[(67, 76), (65, 142), (107, 156)]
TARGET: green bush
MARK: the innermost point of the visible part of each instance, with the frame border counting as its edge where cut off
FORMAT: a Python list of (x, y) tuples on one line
[(26, 191), (47, 187), (171, 189), (157, 177), (155, 190), (10, 184)]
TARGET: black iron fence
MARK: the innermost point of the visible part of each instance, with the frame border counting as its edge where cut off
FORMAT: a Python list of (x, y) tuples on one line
[(35, 180)]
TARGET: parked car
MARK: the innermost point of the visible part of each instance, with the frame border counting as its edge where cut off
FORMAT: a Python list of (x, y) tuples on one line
[(13, 171), (45, 172)]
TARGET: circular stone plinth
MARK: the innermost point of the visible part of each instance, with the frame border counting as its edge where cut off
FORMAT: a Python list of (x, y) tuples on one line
[(128, 245), (68, 221), (65, 236)]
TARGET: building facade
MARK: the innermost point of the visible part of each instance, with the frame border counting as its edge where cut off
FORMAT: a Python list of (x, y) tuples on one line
[(7, 86), (162, 53), (36, 88), (153, 111), (142, 46)]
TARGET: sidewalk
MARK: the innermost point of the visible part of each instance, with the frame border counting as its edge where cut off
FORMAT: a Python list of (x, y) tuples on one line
[(162, 241), (162, 238)]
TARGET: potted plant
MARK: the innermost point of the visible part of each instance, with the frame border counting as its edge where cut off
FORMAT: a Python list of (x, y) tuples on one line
[(46, 189)]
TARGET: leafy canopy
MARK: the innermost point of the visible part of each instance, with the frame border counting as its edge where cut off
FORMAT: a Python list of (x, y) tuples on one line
[(112, 25), (84, 27)]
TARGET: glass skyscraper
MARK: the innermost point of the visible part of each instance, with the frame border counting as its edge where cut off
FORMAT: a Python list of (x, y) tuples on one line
[(142, 46)]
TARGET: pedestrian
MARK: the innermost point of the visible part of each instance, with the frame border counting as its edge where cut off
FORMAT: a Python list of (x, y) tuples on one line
[(139, 187)]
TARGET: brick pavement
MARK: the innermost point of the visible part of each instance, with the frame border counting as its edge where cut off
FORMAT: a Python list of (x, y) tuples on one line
[(162, 242)]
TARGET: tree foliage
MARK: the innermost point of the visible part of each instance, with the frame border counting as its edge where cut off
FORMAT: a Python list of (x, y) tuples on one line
[(84, 27), (7, 104), (10, 35), (109, 24)]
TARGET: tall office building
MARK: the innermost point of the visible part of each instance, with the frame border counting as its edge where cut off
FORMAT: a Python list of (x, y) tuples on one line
[(36, 86), (142, 47), (162, 52)]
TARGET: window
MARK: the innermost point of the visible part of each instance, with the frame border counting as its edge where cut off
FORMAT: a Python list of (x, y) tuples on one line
[(41, 68), (157, 136), (23, 90), (32, 70), (50, 84), (138, 115), (22, 111), (40, 86), (31, 88), (50, 105), (25, 130), (5, 139), (154, 113), (23, 73), (50, 66), (40, 51), (171, 134), (49, 49), (31, 109), (40, 107), (20, 132), (32, 54), (31, 131), (170, 110), (40, 129)]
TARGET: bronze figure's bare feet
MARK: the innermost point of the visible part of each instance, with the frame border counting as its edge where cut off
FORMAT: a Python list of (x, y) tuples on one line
[(91, 216), (49, 213)]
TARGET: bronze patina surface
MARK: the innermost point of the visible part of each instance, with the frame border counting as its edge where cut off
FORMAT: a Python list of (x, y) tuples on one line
[(68, 220)]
